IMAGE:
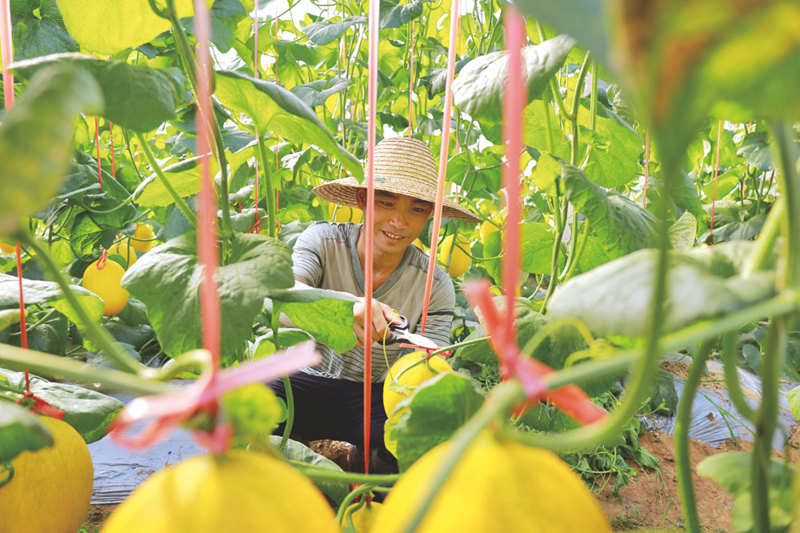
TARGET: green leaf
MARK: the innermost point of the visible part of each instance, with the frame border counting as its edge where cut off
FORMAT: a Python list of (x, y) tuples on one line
[(265, 344), (543, 132), (593, 255), (273, 108), (183, 176), (317, 92), (615, 298), (136, 97), (756, 150), (732, 470), (434, 413), (583, 20), (8, 317), (296, 451), (793, 397), (536, 242), (38, 29), (37, 292), (20, 430), (88, 411), (170, 273), (326, 315), (621, 225), (395, 15), (36, 138), (478, 89), (683, 232), (327, 31), (108, 26), (614, 157), (725, 183)]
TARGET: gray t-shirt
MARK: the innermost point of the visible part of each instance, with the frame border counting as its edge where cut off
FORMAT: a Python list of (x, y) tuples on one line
[(326, 256)]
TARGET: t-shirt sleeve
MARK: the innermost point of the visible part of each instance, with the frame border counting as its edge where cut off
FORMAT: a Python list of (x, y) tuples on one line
[(440, 312), (308, 256)]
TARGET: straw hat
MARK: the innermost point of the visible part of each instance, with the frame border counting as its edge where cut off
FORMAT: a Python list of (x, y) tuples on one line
[(403, 165)]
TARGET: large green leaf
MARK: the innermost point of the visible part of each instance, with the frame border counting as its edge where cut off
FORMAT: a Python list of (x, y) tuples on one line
[(167, 280), (36, 138), (38, 29), (756, 150), (614, 157), (683, 232), (434, 412), (48, 293), (615, 298), (583, 20), (184, 177), (20, 430), (543, 130), (274, 108), (478, 89), (108, 26), (395, 14), (536, 243), (88, 411), (327, 315), (297, 451), (733, 470), (136, 97), (621, 225), (327, 31), (317, 92)]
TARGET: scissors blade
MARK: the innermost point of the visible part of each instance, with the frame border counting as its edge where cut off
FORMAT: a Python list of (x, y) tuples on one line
[(420, 340)]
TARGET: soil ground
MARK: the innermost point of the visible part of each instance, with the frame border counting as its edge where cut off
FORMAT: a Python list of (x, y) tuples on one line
[(650, 500)]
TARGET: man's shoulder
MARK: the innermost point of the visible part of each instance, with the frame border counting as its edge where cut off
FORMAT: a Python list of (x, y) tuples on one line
[(337, 231), (419, 260)]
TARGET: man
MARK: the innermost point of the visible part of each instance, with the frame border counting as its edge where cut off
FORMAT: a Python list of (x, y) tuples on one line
[(329, 397)]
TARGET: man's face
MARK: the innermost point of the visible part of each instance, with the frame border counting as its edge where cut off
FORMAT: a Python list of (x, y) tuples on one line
[(399, 219)]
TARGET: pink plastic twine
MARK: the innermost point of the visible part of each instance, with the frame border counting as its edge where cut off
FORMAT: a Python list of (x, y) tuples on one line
[(716, 172), (443, 153), (369, 218), (167, 410), (516, 91)]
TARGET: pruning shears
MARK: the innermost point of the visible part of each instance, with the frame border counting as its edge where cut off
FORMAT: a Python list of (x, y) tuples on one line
[(399, 332)]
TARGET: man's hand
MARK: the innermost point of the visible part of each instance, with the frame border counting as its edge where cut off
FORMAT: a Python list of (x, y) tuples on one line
[(382, 315)]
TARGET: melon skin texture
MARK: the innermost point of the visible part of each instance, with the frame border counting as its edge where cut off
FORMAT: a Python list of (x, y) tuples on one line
[(503, 487), (239, 491), (51, 487)]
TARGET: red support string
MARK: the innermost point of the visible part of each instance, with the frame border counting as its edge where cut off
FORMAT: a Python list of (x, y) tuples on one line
[(411, 81), (369, 217), (513, 105), (7, 57), (716, 173), (444, 150), (646, 167)]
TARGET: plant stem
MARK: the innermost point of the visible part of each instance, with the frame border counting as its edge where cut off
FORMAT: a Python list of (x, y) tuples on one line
[(318, 473), (179, 202), (682, 458), (262, 151), (110, 348), (730, 351), (218, 147), (54, 366), (460, 345)]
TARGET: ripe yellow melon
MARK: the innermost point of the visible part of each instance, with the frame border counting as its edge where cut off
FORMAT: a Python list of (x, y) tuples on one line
[(497, 486), (410, 371), (460, 261), (51, 487), (105, 282), (240, 491)]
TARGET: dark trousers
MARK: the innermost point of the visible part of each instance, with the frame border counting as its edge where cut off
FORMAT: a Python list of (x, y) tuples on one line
[(326, 408)]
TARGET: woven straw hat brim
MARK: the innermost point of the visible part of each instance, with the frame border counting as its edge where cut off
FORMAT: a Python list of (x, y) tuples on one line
[(343, 192)]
